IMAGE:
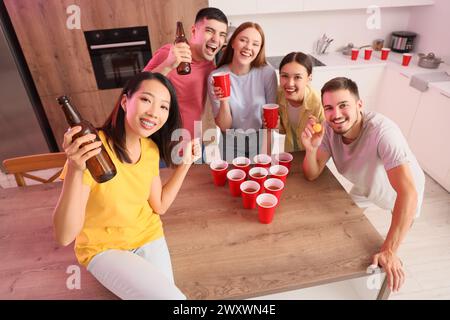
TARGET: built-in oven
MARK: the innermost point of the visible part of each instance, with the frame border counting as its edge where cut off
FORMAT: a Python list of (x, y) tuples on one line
[(118, 54)]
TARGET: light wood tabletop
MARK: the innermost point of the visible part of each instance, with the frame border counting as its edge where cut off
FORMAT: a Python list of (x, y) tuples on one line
[(219, 250)]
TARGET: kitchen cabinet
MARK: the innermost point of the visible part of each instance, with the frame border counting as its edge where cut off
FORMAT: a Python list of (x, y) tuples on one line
[(250, 7), (430, 137), (367, 79), (397, 99), (235, 7)]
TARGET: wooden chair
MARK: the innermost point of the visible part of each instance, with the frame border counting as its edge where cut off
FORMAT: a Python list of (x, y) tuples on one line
[(21, 166)]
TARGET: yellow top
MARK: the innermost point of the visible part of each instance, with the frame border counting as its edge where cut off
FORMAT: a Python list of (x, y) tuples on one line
[(311, 106), (118, 215)]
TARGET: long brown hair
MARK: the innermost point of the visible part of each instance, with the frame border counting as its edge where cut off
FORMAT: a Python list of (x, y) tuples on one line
[(260, 60)]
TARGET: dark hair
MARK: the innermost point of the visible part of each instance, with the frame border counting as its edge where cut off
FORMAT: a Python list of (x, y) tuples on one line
[(300, 58), (114, 126), (211, 14), (260, 59), (341, 83)]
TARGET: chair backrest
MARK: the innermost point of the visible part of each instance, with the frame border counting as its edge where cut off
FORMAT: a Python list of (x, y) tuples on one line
[(21, 166)]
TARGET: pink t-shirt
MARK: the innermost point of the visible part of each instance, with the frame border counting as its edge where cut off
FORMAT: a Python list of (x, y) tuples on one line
[(191, 89)]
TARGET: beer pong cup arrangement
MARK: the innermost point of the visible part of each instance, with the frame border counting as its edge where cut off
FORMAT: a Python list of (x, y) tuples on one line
[(284, 159), (279, 171), (219, 172), (258, 174), (235, 178), (242, 163), (385, 53), (355, 53), (367, 53), (270, 112), (250, 190), (266, 207), (274, 186), (222, 80), (253, 183), (406, 59), (262, 160)]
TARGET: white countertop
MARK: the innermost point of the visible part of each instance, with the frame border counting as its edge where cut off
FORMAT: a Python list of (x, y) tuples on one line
[(334, 60)]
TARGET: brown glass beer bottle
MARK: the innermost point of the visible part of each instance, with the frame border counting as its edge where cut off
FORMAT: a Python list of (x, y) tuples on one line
[(184, 67), (100, 166)]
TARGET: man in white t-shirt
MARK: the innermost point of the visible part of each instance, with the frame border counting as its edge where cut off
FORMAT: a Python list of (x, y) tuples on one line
[(369, 150)]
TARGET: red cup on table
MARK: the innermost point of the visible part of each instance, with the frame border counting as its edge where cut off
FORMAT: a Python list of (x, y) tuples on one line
[(222, 80), (274, 186), (367, 53), (262, 160), (279, 171), (355, 53), (270, 113), (235, 178), (219, 172), (284, 158), (385, 53), (242, 163), (258, 174), (266, 207), (249, 190), (406, 59)]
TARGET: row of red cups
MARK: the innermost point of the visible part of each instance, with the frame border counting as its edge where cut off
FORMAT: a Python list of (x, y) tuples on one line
[(252, 191)]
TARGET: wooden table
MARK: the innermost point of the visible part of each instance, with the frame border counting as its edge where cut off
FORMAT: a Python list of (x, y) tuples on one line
[(219, 250)]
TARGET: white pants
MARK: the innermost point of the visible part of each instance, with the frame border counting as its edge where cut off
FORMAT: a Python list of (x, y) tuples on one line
[(141, 274)]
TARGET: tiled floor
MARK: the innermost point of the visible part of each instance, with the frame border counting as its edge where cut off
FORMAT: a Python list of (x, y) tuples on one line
[(425, 251)]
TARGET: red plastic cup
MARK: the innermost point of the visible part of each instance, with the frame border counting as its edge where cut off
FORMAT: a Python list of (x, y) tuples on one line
[(274, 186), (258, 174), (284, 159), (249, 190), (262, 160), (406, 59), (355, 53), (219, 172), (235, 178), (222, 80), (242, 163), (385, 53), (270, 112), (279, 171), (266, 207), (367, 53)]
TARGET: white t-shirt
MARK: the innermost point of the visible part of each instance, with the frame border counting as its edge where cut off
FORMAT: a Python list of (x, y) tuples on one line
[(380, 147), (249, 92)]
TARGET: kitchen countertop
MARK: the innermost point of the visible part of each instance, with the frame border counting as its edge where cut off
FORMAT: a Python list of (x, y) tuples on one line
[(336, 60)]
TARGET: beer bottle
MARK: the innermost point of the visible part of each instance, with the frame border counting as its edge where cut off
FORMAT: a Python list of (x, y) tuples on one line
[(100, 166), (184, 67)]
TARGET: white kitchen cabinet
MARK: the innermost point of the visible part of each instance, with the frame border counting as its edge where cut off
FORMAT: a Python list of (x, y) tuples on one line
[(430, 137), (397, 100), (250, 7), (271, 6), (235, 7), (324, 5), (367, 78)]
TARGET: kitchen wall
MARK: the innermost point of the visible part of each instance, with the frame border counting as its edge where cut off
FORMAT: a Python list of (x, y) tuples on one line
[(432, 23), (298, 31)]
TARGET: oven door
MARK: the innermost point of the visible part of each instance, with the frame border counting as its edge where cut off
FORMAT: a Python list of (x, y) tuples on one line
[(114, 64)]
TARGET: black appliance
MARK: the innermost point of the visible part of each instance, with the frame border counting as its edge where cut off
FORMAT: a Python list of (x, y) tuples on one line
[(402, 41), (118, 54)]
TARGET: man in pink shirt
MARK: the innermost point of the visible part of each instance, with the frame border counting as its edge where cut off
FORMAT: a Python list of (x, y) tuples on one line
[(208, 35)]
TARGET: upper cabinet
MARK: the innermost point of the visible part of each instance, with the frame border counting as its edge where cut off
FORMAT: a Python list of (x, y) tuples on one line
[(248, 7)]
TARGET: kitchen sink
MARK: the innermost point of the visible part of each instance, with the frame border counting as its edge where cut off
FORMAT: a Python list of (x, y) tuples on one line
[(276, 60)]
